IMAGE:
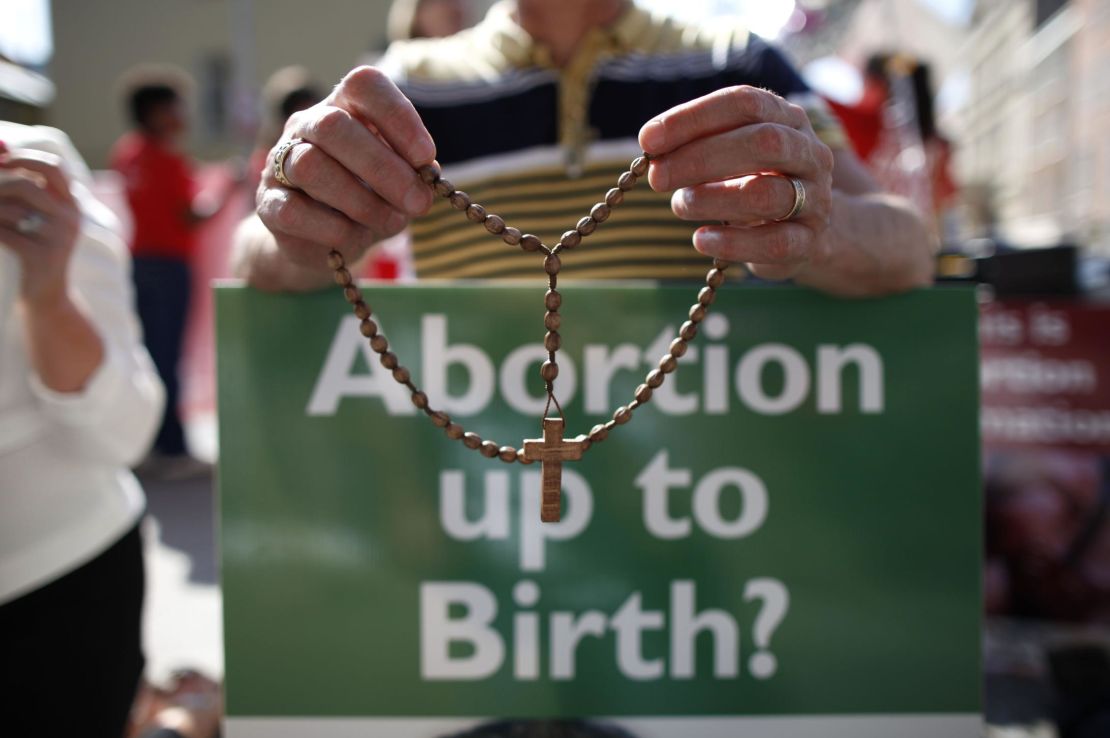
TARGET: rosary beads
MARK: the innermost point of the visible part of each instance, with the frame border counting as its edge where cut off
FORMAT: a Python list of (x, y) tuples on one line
[(552, 450)]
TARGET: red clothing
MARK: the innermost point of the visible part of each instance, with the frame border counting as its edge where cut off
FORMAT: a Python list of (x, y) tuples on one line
[(160, 190)]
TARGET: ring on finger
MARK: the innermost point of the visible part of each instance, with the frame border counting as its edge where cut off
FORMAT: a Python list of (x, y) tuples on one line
[(280, 156), (799, 199), (30, 224)]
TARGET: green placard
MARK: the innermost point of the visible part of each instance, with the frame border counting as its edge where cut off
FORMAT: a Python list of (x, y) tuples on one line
[(790, 530)]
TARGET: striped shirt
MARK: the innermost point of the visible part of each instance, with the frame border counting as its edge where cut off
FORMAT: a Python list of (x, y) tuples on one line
[(540, 145)]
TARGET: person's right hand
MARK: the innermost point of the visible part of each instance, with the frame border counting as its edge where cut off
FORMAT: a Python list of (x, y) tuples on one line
[(354, 176)]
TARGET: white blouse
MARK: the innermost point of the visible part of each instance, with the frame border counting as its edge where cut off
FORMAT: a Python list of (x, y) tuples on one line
[(66, 494)]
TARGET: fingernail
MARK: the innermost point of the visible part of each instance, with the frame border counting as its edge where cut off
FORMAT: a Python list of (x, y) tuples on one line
[(417, 200), (707, 242), (658, 175), (652, 136), (423, 150)]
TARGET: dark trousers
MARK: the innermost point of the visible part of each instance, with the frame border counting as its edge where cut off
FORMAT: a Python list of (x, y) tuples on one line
[(71, 651), (162, 298)]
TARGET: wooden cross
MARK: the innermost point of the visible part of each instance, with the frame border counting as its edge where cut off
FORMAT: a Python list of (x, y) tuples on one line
[(551, 451)]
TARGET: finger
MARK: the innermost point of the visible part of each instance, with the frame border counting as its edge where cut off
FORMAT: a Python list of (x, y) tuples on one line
[(312, 228), (45, 165), (16, 241), (743, 201), (781, 244), (367, 157), (751, 149), (325, 180), (23, 191), (369, 95), (11, 213), (716, 112)]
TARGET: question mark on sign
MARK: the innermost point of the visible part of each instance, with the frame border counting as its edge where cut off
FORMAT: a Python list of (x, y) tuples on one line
[(776, 601)]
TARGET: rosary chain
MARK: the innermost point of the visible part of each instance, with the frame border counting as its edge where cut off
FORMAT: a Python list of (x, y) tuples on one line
[(552, 264)]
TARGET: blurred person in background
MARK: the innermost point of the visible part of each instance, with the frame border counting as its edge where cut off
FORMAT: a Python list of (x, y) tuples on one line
[(167, 206), (79, 403), (894, 131), (410, 19)]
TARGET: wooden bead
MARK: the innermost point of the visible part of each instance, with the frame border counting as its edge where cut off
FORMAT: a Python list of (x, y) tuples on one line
[(420, 399), (643, 393), (454, 431), (586, 226), (552, 321), (390, 360), (697, 313), (551, 341), (688, 330), (655, 378), (614, 197), (528, 242), (622, 415), (599, 433), (476, 213), (720, 264), (668, 364), (440, 419), (707, 295), (552, 300), (549, 371), (584, 441), (362, 310), (429, 173), (571, 239), (522, 459), (368, 328), (444, 188), (600, 212), (551, 264), (626, 181), (639, 166), (460, 200), (342, 277), (678, 348), (378, 343), (471, 440), (490, 449), (495, 224), (715, 278), (401, 374), (507, 454), (511, 235), (352, 294), (335, 260)]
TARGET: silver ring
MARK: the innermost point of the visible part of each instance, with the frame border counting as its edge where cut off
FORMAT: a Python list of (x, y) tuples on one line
[(799, 199), (30, 224), (279, 160)]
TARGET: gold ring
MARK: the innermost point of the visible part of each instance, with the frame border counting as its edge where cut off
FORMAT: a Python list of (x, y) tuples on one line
[(279, 160), (799, 199)]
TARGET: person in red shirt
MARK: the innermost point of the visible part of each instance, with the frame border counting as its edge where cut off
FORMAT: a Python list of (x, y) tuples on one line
[(166, 206)]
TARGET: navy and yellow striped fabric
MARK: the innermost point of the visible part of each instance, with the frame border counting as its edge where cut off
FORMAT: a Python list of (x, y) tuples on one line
[(539, 145)]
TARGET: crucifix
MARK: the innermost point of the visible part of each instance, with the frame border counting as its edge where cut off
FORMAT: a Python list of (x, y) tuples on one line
[(551, 451)]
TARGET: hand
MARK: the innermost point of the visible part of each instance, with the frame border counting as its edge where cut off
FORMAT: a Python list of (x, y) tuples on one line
[(727, 156), (39, 221), (354, 178)]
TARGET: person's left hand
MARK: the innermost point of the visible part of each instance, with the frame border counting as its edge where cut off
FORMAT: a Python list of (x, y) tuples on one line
[(729, 156), (39, 221)]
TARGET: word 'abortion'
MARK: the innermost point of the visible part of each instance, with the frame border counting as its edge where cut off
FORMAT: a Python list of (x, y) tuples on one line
[(350, 370)]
